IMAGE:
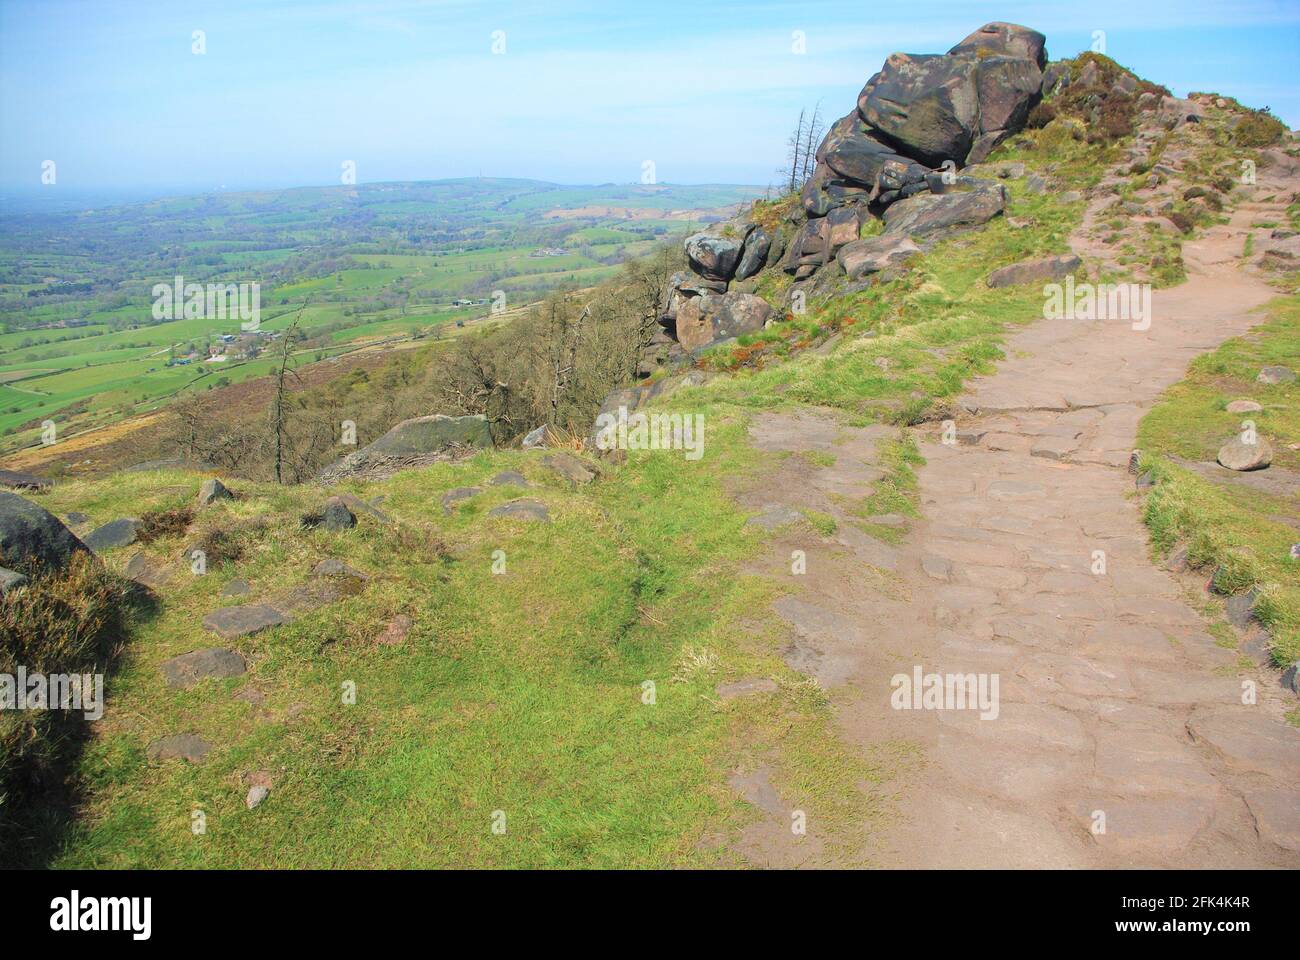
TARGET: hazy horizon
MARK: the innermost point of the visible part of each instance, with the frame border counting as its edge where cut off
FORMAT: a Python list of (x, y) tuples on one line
[(275, 95)]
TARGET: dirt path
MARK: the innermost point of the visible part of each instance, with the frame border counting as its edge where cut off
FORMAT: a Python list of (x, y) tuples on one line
[(1121, 738)]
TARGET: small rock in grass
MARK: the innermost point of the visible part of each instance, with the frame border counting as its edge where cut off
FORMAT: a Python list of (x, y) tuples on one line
[(213, 490), (189, 668), (337, 568), (1276, 375), (395, 631), (1243, 406), (337, 516), (509, 478), (570, 468), (1291, 677), (255, 797), (115, 533), (1238, 455), (11, 580), (522, 510)]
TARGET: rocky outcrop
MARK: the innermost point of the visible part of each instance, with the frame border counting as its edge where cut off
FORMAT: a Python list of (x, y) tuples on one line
[(412, 443), (919, 115)]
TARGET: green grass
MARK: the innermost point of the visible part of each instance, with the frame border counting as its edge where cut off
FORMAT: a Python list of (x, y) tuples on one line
[(519, 692), (1240, 534)]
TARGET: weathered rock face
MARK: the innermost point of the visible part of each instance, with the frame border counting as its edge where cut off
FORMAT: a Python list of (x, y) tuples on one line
[(929, 213), (757, 246), (705, 320), (713, 257), (927, 105), (1005, 39), (33, 540), (873, 254)]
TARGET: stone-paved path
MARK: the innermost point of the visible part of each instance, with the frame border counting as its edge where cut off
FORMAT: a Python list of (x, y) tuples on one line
[(1116, 705)]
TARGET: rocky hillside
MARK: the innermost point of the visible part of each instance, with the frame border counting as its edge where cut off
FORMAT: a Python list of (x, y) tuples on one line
[(446, 651)]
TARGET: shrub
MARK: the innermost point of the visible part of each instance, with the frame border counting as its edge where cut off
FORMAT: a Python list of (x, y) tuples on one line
[(1258, 128), (74, 622)]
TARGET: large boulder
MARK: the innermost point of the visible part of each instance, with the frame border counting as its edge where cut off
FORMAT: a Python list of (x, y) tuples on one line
[(961, 105), (810, 247), (432, 434), (33, 540), (924, 105), (873, 254), (842, 226), (757, 245), (1007, 89), (713, 256), (854, 153), (706, 320), (1005, 39), (929, 213)]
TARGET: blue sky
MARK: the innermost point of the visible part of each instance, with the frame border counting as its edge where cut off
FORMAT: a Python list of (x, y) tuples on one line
[(583, 92)]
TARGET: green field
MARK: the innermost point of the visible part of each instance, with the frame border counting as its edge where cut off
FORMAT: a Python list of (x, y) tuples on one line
[(372, 262)]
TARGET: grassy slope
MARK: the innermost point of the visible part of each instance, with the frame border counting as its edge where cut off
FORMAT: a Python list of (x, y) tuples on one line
[(1244, 532)]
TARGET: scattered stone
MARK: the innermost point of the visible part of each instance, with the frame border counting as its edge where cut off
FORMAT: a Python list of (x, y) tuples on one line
[(77, 518), (143, 570), (17, 480), (10, 580), (1240, 608), (231, 623), (745, 688), (213, 490), (1276, 375), (337, 568), (236, 588), (1035, 184), (522, 510), (337, 516), (182, 746), (1243, 406), (1146, 481), (32, 538), (395, 631), (255, 797), (189, 668), (1241, 456), (359, 506), (416, 442), (509, 478), (535, 438), (453, 497), (570, 468), (1134, 459), (114, 534), (1291, 677), (1034, 271)]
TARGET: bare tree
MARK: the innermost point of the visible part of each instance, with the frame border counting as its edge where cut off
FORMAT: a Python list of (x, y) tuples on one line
[(796, 154), (813, 136), (279, 417)]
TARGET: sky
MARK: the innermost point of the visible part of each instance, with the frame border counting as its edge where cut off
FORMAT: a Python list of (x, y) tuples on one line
[(125, 96)]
